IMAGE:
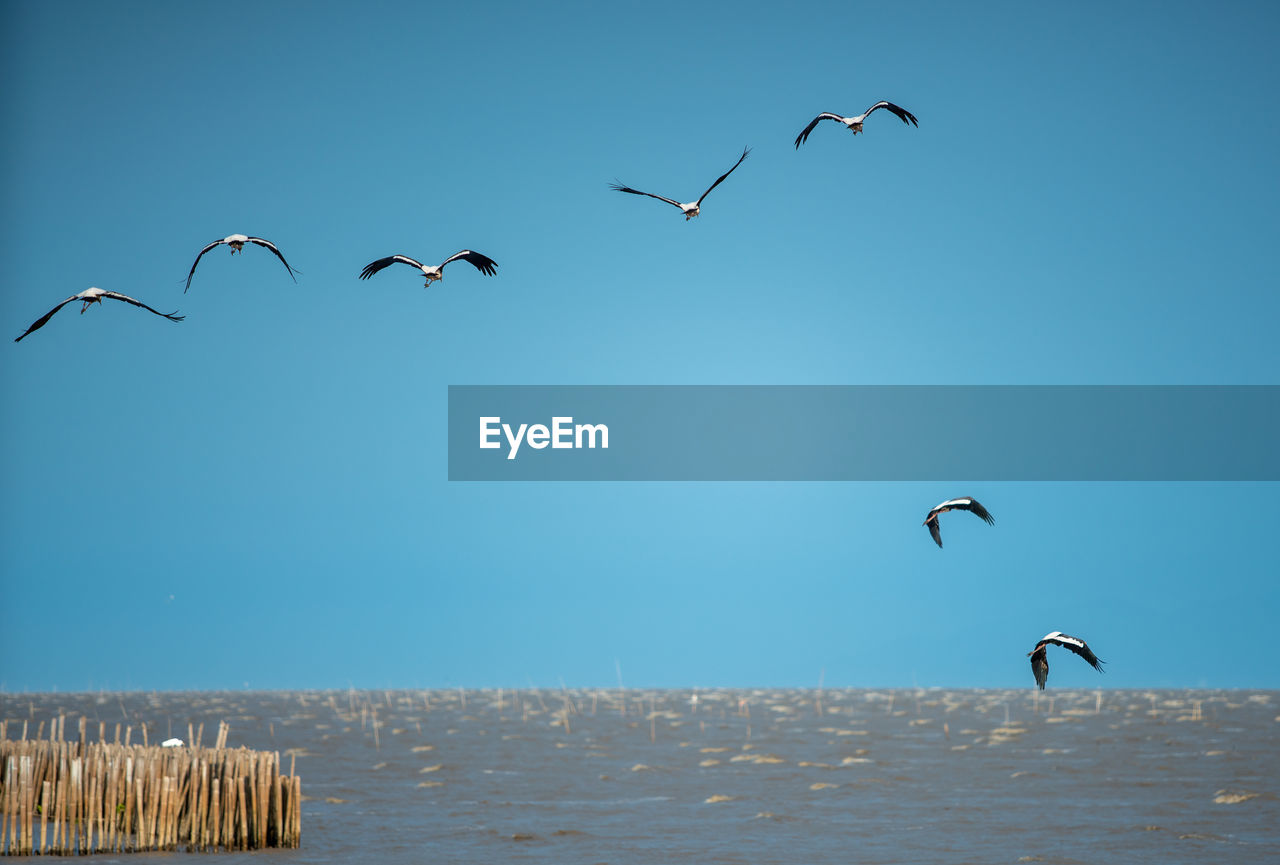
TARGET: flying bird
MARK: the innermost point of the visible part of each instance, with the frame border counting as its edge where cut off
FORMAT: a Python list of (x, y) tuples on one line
[(237, 242), (855, 123), (95, 295), (691, 209), (963, 504), (483, 263), (1040, 660)]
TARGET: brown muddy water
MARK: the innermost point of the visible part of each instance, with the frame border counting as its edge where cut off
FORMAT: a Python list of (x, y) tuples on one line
[(741, 776)]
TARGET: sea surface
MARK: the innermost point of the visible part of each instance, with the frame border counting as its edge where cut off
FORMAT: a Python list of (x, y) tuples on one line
[(740, 776)]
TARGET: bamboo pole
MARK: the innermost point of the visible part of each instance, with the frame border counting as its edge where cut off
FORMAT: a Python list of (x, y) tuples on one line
[(4, 806), (60, 794), (127, 829), (77, 798), (141, 841), (267, 769), (297, 810), (90, 798), (277, 788), (20, 814), (215, 814), (228, 807), (46, 794), (242, 835), (113, 794), (24, 806)]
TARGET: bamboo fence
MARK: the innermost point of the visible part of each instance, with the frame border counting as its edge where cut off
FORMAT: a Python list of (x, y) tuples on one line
[(75, 797)]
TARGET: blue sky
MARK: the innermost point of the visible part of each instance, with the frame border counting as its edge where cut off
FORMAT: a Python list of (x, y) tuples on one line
[(258, 495)]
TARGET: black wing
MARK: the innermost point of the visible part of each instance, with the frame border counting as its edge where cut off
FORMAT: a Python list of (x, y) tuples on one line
[(44, 319), (903, 114), (935, 531), (271, 246), (115, 295), (745, 151), (483, 263), (978, 510), (620, 188), (1077, 645), (374, 266), (197, 261), (804, 136), (1040, 665)]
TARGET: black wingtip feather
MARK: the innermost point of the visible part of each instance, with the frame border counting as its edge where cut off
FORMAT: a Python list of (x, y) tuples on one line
[(979, 511)]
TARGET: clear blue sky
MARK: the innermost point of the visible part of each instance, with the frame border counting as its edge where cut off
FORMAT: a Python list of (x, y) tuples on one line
[(258, 494)]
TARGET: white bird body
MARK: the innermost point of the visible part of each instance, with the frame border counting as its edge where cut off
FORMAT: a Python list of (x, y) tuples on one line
[(482, 263), (95, 295), (90, 295), (854, 124)]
